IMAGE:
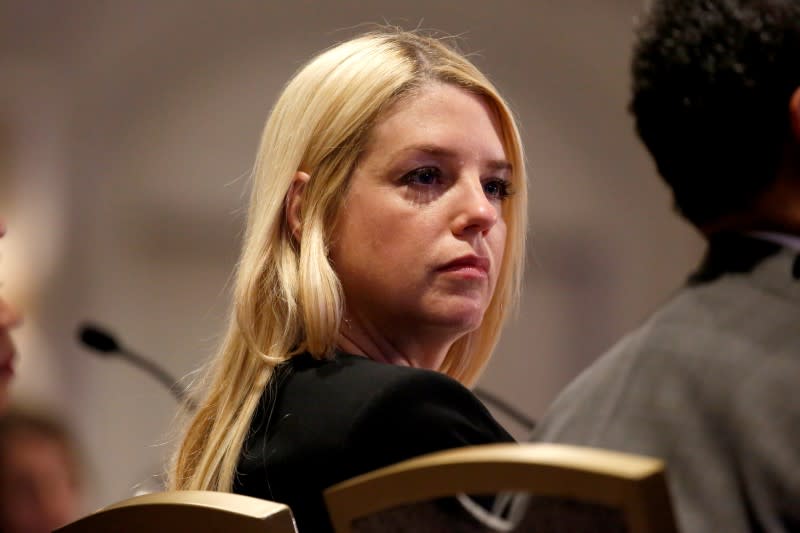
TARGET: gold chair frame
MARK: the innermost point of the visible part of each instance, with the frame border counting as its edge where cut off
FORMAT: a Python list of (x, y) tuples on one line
[(188, 511), (633, 484)]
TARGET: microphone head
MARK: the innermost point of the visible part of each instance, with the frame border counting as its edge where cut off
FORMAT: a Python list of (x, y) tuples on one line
[(97, 339)]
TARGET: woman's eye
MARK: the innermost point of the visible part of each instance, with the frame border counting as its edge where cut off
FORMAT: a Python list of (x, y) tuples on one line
[(497, 188), (423, 176)]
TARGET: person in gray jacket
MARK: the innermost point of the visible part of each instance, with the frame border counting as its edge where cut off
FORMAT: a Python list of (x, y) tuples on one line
[(711, 381)]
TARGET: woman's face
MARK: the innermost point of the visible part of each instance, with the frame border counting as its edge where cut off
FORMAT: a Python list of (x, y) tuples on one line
[(420, 237)]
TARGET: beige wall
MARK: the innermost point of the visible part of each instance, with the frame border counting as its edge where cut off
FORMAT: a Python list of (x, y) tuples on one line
[(128, 128)]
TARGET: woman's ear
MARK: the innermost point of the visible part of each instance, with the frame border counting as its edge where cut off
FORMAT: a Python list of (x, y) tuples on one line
[(794, 114), (294, 202)]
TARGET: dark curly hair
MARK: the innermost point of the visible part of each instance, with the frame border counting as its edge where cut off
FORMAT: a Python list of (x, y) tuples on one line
[(712, 80)]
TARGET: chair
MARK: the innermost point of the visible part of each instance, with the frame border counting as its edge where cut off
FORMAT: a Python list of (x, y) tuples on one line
[(558, 488), (188, 511)]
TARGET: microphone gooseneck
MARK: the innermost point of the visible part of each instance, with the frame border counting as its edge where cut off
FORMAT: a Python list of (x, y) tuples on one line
[(513, 413), (102, 342)]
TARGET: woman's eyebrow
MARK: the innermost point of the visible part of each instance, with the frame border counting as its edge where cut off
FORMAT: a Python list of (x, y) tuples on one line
[(430, 149), (438, 151), (500, 165)]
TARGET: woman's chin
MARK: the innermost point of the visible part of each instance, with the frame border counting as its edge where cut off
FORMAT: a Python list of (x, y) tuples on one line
[(462, 319)]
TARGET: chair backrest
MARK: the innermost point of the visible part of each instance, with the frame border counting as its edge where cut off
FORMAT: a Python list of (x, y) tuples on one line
[(558, 488), (188, 511)]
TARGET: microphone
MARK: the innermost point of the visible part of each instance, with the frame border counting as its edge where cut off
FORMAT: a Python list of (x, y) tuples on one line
[(102, 342)]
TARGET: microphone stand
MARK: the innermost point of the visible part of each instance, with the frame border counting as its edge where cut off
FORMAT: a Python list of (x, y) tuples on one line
[(161, 375)]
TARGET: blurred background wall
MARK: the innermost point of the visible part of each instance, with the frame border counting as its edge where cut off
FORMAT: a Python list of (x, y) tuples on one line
[(127, 131)]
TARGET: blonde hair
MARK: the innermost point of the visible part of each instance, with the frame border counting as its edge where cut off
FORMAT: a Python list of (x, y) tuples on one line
[(287, 297)]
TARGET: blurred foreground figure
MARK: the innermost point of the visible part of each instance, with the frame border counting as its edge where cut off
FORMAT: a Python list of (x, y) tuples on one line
[(709, 383), (9, 319), (40, 487)]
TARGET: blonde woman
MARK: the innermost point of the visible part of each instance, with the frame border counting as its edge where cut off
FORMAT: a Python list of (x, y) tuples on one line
[(383, 251)]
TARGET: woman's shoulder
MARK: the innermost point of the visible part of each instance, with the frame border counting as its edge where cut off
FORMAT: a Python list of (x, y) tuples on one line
[(405, 412), (360, 376), (361, 414), (366, 395)]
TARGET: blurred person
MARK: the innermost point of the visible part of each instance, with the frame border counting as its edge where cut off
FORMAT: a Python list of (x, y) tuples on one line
[(383, 251), (9, 319), (709, 382), (40, 481)]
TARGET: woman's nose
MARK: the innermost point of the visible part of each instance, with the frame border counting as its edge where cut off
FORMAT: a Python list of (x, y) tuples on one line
[(474, 211)]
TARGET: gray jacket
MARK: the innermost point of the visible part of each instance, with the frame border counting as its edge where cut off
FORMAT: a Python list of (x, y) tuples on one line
[(711, 384)]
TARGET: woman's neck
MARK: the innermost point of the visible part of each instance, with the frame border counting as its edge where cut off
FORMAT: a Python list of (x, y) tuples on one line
[(361, 337)]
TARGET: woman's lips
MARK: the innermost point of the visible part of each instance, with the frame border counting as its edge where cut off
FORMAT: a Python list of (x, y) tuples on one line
[(468, 265)]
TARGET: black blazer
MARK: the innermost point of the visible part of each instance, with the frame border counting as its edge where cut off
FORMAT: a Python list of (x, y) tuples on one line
[(322, 422)]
